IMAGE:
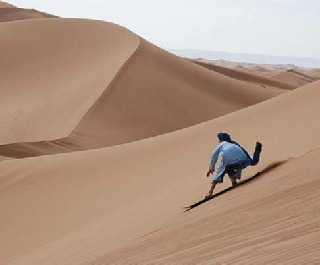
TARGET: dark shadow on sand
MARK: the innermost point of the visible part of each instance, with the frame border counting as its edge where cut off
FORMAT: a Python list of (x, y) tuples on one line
[(257, 175)]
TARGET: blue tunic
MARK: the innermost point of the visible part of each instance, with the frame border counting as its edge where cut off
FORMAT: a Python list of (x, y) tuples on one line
[(230, 154)]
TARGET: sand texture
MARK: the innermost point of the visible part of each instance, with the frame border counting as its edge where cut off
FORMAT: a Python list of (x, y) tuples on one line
[(105, 138)]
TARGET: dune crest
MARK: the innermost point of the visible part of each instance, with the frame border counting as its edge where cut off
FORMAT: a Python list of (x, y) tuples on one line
[(13, 14), (246, 76), (59, 69), (293, 77), (153, 94), (6, 5)]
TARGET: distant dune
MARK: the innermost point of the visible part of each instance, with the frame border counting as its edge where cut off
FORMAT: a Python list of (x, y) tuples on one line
[(240, 74), (315, 73), (309, 78), (282, 76), (292, 77), (12, 14), (5, 5), (249, 58), (105, 138)]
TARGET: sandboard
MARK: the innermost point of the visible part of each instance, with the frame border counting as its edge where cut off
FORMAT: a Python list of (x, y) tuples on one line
[(192, 206)]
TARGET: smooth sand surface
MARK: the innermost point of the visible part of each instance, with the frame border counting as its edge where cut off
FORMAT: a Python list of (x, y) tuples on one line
[(74, 207), (292, 77), (122, 132), (58, 70), (241, 74), (110, 102), (315, 73), (273, 220)]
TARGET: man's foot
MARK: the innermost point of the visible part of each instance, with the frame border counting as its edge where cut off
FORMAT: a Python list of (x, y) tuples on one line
[(234, 184), (209, 195)]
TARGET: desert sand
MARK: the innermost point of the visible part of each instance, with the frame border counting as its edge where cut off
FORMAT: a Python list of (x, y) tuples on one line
[(126, 94), (9, 12), (242, 74), (106, 137), (5, 5), (12, 14), (282, 76)]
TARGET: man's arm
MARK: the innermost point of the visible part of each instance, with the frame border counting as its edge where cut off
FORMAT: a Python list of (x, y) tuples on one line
[(213, 160)]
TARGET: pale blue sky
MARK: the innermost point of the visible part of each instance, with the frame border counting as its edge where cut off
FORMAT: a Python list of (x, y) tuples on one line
[(273, 27)]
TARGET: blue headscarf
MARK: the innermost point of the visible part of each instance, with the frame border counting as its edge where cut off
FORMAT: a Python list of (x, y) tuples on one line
[(224, 137)]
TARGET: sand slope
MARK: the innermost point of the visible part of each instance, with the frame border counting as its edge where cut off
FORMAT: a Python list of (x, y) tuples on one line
[(293, 77), (59, 69), (74, 85), (282, 76), (315, 73), (280, 226), (159, 93), (154, 93), (73, 208), (246, 76)]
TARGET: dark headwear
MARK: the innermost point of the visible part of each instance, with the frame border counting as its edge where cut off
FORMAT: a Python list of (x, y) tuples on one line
[(224, 137)]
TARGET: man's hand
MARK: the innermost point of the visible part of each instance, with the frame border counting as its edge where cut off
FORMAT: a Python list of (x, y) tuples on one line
[(210, 172)]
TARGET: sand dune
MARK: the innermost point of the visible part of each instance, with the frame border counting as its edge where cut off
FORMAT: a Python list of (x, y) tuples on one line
[(59, 69), (5, 5), (280, 226), (292, 77), (77, 203), (246, 76), (308, 75), (12, 14), (315, 73), (154, 93), (122, 132)]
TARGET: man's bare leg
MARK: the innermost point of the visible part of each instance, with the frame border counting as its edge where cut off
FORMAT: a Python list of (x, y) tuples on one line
[(233, 181)]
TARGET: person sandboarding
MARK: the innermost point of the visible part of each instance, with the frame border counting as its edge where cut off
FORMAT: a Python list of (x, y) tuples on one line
[(234, 158)]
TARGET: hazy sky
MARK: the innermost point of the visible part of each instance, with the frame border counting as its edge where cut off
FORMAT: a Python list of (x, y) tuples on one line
[(274, 27)]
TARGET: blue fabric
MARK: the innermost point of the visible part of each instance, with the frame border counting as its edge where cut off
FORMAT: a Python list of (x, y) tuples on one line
[(230, 154), (256, 155), (222, 136)]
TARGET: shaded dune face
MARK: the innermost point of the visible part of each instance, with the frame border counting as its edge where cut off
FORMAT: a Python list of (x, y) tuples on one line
[(157, 93), (144, 91)]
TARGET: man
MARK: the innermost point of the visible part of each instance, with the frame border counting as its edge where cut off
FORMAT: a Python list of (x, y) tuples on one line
[(234, 159)]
